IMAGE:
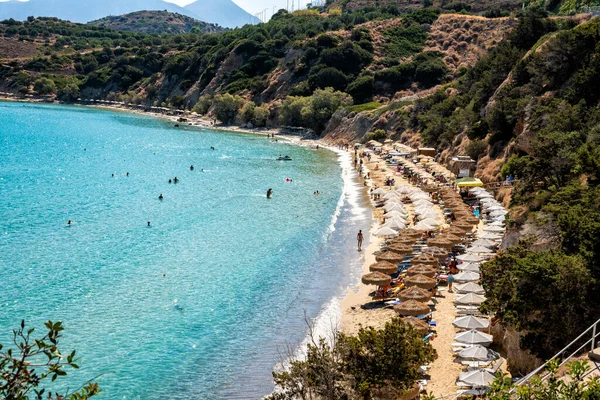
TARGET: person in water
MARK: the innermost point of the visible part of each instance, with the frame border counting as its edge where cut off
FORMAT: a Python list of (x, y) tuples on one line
[(160, 197), (191, 167), (175, 180), (360, 239), (170, 181), (269, 193), (69, 222), (148, 223), (212, 147), (127, 174)]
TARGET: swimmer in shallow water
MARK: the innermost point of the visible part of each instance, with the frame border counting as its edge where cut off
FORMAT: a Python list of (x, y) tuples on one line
[(160, 198), (269, 193), (175, 180), (69, 223), (149, 223), (191, 167)]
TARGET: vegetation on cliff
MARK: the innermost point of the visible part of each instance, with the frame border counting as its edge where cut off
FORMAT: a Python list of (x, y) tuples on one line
[(159, 22)]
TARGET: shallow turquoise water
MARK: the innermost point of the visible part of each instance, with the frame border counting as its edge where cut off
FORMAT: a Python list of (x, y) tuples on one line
[(196, 306)]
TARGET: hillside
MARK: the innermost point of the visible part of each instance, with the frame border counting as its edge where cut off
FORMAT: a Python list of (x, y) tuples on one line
[(474, 6), (223, 12), (160, 22), (83, 11)]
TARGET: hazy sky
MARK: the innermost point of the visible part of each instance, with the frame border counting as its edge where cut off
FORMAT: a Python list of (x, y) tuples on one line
[(255, 6)]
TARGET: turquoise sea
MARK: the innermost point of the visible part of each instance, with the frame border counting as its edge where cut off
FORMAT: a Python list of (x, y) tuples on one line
[(197, 306)]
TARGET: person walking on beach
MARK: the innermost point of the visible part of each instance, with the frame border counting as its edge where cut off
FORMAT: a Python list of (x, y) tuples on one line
[(360, 238)]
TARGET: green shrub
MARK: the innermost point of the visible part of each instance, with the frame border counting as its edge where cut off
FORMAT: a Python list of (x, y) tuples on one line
[(361, 89), (203, 105), (44, 86), (226, 107), (373, 105)]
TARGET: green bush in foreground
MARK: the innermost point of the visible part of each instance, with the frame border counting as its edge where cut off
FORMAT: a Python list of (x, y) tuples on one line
[(25, 367), (374, 364)]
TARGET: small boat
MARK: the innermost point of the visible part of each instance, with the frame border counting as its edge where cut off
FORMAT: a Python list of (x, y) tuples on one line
[(286, 158)]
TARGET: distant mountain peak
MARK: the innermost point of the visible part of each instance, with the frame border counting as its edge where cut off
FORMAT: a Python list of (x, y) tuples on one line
[(156, 22), (223, 12)]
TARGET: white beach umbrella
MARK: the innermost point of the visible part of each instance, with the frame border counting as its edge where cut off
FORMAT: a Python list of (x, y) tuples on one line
[(395, 214), (429, 213), (477, 378), (494, 228), (386, 231), (431, 222), (472, 267), (478, 353), (467, 276), (387, 195), (479, 250), (404, 189), (498, 213), (471, 299), (469, 287), (484, 195), (494, 207), (381, 191), (484, 243), (419, 196), (424, 227), (470, 258), (474, 337), (497, 223), (395, 224), (491, 236), (391, 206), (471, 322)]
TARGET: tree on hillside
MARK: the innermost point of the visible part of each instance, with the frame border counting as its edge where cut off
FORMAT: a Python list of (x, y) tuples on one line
[(28, 364), (44, 86), (226, 107)]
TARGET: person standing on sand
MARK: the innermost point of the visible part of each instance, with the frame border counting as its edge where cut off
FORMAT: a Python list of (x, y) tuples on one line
[(360, 239)]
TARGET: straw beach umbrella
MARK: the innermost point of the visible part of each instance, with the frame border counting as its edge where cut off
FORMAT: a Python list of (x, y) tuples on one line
[(469, 287), (412, 308), (384, 267), (400, 249), (376, 278), (422, 281), (404, 241), (440, 254), (421, 326), (441, 242), (474, 337), (415, 293), (390, 256), (425, 259), (422, 270), (470, 299), (471, 322)]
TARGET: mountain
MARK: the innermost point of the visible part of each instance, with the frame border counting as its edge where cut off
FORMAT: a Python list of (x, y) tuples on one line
[(83, 10), (156, 22), (223, 12)]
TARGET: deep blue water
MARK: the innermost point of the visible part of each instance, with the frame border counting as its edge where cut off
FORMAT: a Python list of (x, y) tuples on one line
[(197, 305)]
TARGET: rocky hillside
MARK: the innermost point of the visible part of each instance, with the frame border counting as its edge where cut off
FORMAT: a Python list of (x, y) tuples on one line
[(159, 22), (475, 6)]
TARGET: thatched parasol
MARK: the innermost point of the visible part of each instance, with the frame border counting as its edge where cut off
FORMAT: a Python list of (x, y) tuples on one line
[(462, 225), (422, 269), (456, 231), (400, 249), (422, 281), (450, 237), (390, 256), (411, 233), (384, 267), (376, 278), (430, 188), (412, 307), (421, 326), (415, 293), (441, 242), (425, 259), (404, 241)]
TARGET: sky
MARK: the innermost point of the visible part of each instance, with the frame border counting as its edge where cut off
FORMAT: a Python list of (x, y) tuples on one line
[(255, 6)]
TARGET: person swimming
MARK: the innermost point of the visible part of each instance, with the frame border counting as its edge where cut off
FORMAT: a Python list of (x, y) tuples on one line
[(160, 197), (149, 223), (170, 181), (191, 167), (175, 180), (69, 223), (212, 147), (127, 174), (269, 193)]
